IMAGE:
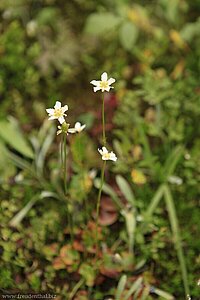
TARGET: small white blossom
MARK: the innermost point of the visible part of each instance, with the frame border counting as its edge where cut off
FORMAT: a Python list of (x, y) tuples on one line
[(187, 156), (58, 112), (107, 155), (175, 180), (31, 28), (64, 128), (77, 128), (59, 131), (104, 84)]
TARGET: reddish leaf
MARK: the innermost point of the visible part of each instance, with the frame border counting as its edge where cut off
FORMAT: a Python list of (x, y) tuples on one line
[(109, 272), (58, 264), (108, 205), (77, 245), (107, 218)]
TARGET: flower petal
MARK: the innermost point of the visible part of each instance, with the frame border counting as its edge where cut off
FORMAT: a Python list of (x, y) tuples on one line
[(61, 120), (96, 88), (77, 125), (100, 151), (104, 76), (111, 81), (113, 156), (57, 105), (52, 118), (107, 89), (50, 111), (82, 127), (71, 130), (105, 151), (95, 82), (59, 132), (65, 108)]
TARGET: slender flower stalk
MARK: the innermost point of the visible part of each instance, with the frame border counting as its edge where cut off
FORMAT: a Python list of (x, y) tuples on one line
[(104, 85), (69, 216), (103, 120), (98, 206), (58, 113)]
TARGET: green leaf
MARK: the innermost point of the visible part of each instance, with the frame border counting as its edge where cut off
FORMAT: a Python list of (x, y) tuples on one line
[(130, 226), (11, 134), (16, 220), (40, 159), (190, 31), (128, 35), (126, 189), (177, 237), (88, 274), (121, 287), (100, 23), (6, 167)]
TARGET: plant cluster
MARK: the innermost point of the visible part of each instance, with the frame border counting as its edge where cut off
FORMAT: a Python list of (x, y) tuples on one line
[(71, 223)]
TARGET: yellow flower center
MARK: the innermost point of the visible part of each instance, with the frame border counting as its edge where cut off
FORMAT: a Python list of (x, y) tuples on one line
[(107, 155), (104, 84), (58, 112)]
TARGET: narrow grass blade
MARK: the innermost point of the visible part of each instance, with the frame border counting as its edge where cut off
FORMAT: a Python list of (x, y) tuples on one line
[(126, 190), (20, 162), (172, 161), (16, 220), (145, 293), (40, 159), (154, 202), (177, 238), (76, 288), (23, 212), (144, 140), (134, 288), (121, 287), (163, 294)]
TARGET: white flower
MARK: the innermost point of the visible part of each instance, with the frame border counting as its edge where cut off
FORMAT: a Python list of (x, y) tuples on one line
[(58, 112), (104, 84), (107, 155), (77, 128), (175, 180)]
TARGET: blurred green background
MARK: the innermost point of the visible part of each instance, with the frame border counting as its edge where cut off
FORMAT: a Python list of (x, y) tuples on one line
[(50, 50)]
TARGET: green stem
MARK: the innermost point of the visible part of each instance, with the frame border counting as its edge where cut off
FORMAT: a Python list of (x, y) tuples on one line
[(80, 163), (62, 151), (177, 238), (76, 288), (103, 121), (65, 162), (64, 157), (98, 205)]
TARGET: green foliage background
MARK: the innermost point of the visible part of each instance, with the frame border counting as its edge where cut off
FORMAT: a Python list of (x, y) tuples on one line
[(50, 50)]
